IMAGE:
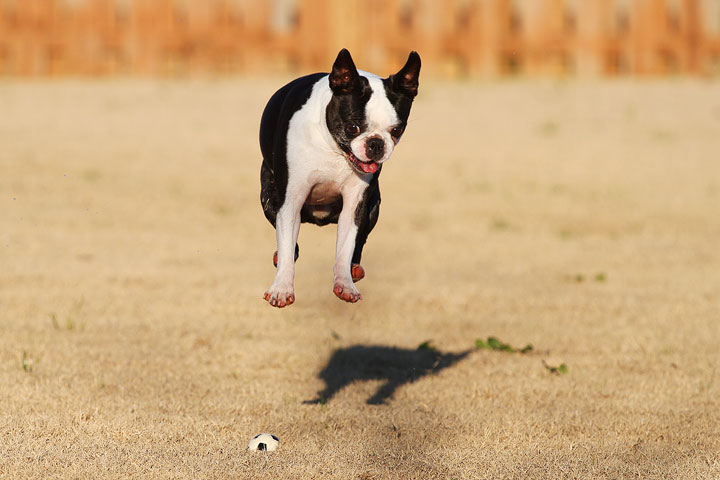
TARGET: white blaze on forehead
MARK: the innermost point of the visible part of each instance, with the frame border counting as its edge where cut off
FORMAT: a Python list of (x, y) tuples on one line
[(379, 112)]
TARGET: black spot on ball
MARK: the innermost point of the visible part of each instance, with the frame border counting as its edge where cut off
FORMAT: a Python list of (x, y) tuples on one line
[(276, 438), (262, 447), (256, 436)]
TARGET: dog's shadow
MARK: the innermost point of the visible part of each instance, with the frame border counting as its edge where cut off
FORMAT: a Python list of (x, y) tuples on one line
[(396, 366)]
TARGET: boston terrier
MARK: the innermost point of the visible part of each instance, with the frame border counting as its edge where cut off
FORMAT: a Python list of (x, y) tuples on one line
[(324, 138)]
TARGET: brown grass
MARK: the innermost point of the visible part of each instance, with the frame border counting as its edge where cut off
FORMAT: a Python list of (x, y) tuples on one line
[(583, 218)]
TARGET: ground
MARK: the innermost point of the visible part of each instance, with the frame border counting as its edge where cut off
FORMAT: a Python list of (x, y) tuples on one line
[(580, 217)]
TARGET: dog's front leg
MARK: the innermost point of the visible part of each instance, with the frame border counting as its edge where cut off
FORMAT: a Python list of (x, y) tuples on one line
[(343, 287), (287, 227)]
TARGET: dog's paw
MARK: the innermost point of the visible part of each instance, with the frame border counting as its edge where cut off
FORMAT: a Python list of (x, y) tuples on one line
[(279, 296), (347, 292), (358, 272)]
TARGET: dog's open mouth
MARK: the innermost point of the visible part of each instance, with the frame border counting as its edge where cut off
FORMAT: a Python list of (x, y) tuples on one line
[(365, 167)]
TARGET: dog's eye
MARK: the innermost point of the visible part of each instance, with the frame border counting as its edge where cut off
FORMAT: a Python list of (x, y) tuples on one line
[(352, 130), (397, 131)]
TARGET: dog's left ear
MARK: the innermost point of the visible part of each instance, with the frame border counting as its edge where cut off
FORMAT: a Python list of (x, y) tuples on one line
[(406, 80), (344, 76)]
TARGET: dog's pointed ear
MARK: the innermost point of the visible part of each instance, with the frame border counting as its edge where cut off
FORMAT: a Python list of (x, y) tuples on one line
[(406, 80), (344, 77)]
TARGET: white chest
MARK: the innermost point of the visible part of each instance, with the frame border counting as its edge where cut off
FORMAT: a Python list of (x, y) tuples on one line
[(315, 163)]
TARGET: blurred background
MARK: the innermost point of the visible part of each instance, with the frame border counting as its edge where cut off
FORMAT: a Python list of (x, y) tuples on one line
[(457, 38)]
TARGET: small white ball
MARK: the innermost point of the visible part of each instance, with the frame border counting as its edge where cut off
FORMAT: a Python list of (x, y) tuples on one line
[(264, 442)]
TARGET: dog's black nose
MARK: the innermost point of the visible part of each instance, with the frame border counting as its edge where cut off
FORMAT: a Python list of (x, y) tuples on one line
[(375, 148)]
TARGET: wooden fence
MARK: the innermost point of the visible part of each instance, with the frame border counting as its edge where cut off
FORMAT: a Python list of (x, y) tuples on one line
[(454, 37)]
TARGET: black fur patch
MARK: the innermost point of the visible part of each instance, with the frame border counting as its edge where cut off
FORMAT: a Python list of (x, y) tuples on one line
[(366, 215), (346, 109), (400, 100)]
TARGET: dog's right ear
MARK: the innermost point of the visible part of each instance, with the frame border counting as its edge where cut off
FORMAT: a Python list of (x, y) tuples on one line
[(406, 80), (344, 77)]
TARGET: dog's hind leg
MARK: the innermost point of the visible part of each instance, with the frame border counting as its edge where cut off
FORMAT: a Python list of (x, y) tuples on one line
[(269, 198), (366, 217)]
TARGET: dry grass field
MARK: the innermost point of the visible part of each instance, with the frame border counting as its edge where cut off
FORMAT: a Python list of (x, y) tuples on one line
[(582, 218)]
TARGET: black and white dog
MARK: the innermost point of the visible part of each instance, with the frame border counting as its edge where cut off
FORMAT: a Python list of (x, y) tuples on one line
[(324, 138)]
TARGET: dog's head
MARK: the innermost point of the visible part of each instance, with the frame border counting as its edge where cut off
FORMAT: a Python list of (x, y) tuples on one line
[(367, 115)]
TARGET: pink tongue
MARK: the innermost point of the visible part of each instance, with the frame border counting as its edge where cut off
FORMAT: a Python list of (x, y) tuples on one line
[(369, 167)]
